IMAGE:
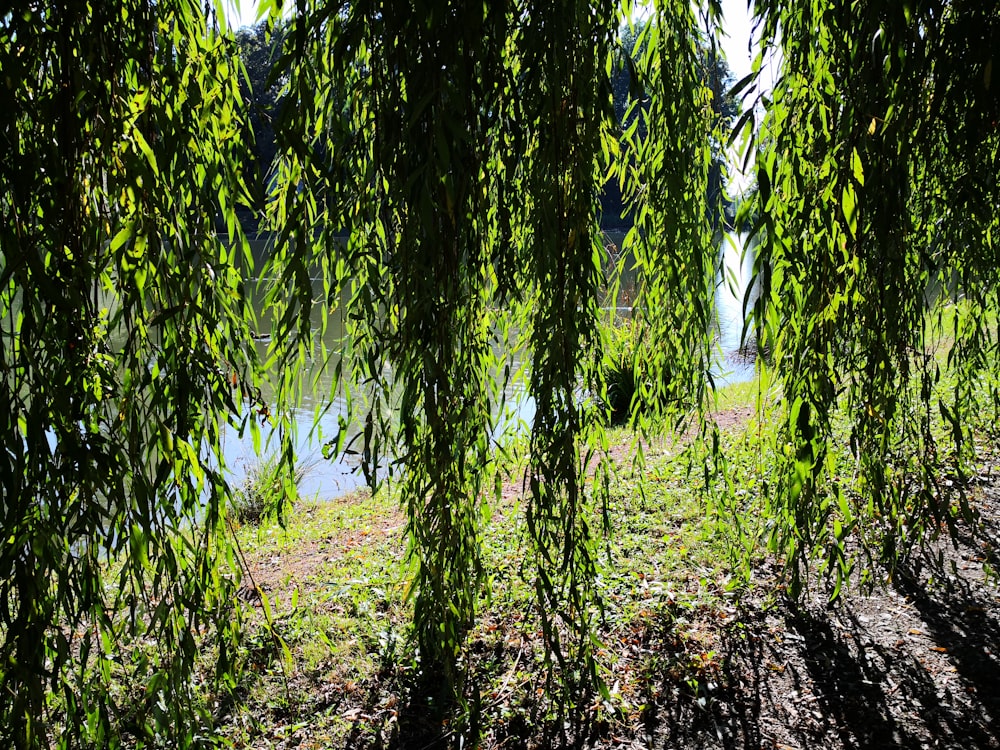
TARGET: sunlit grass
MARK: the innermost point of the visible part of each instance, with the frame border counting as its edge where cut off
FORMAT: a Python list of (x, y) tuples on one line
[(760, 393), (336, 582)]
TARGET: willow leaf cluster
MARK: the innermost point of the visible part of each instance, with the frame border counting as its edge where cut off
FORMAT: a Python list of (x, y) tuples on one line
[(664, 161), (124, 347), (877, 203)]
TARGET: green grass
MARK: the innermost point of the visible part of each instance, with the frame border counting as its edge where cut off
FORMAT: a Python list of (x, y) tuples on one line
[(327, 658), (761, 392), (268, 490), (335, 581)]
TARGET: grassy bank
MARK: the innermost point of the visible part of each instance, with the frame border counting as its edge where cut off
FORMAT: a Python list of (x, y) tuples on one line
[(329, 656)]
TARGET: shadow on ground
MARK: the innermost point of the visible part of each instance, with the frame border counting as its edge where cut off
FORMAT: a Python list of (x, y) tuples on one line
[(914, 665)]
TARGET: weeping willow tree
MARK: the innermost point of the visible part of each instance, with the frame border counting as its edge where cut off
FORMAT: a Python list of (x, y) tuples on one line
[(461, 147), (878, 200), (124, 330)]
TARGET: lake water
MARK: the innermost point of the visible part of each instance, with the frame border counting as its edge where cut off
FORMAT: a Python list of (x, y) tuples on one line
[(329, 478), (735, 364)]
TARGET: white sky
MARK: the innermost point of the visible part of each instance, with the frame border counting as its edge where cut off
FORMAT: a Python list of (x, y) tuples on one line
[(736, 43), (240, 13)]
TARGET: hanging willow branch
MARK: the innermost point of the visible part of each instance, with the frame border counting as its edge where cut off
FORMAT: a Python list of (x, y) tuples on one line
[(124, 349), (410, 168), (866, 198), (434, 101), (565, 98), (459, 147), (664, 166)]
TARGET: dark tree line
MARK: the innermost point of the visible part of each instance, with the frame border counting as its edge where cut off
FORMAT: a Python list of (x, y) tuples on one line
[(261, 49), (631, 99)]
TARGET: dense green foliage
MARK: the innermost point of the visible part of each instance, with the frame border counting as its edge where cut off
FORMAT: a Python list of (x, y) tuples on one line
[(125, 346), (877, 201), (260, 87), (630, 98), (462, 146)]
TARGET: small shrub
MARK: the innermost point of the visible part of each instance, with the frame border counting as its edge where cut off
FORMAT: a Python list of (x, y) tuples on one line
[(623, 373), (266, 493)]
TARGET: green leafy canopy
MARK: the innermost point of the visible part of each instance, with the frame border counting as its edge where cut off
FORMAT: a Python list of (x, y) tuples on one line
[(461, 148)]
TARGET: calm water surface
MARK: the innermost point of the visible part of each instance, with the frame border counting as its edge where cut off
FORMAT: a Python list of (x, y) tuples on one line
[(330, 478)]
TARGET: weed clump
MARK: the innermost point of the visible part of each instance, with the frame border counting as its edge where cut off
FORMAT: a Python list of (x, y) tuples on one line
[(268, 491)]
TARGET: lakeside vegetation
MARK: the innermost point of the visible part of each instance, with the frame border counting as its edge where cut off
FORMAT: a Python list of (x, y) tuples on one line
[(328, 655), (462, 149), (331, 659)]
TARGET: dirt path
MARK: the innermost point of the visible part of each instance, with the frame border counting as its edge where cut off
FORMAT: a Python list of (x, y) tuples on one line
[(913, 665)]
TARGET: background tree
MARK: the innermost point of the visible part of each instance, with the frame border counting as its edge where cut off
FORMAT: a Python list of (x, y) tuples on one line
[(259, 49)]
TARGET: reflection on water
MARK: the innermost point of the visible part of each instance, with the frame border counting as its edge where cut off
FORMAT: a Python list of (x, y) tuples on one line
[(329, 478), (321, 394), (736, 363)]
